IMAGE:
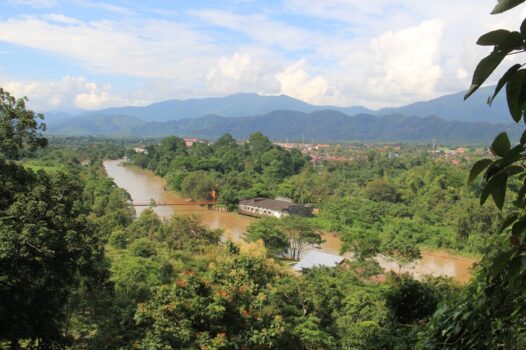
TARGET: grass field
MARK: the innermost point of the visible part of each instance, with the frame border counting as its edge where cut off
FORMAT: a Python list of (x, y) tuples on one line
[(37, 167)]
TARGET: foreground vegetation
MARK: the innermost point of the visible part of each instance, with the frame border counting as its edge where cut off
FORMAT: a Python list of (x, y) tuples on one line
[(372, 197), (104, 280), (151, 283), (78, 270)]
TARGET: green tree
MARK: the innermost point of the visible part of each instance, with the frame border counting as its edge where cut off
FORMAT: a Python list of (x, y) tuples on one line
[(301, 234), (143, 247), (410, 301), (401, 242), (46, 241), (271, 232), (363, 244), (380, 190), (491, 313), (19, 126), (187, 232), (197, 185), (229, 306), (146, 225)]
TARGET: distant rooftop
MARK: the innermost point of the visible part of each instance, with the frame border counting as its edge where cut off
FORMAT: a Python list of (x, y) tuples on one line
[(272, 204), (316, 259)]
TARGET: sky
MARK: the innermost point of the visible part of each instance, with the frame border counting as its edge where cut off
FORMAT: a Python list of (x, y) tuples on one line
[(68, 55)]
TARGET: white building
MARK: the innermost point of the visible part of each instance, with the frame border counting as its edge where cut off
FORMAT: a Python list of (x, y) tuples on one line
[(317, 259), (259, 207)]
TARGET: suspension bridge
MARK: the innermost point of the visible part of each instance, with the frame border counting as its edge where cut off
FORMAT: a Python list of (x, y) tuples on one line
[(173, 203)]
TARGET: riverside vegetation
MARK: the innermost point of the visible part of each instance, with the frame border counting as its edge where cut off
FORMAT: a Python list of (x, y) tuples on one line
[(77, 270), (151, 283)]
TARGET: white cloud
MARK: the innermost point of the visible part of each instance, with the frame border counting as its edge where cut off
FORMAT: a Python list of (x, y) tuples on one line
[(241, 72), (296, 82), (35, 3), (462, 74), (260, 28), (376, 53), (105, 7), (406, 62), (150, 49), (66, 94)]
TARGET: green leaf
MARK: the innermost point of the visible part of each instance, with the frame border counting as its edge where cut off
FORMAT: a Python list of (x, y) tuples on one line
[(514, 95), (501, 145), (518, 228), (493, 38), (510, 219), (513, 41), (513, 155), (500, 261), (477, 168), (505, 78), (505, 5), (486, 191), (499, 191), (523, 28), (523, 138), (484, 69), (514, 170), (497, 188), (520, 197)]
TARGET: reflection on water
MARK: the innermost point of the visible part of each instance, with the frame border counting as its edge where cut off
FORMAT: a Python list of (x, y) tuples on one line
[(143, 186)]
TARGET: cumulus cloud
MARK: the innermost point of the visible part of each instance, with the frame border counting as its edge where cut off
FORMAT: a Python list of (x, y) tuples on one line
[(296, 82), (241, 72), (66, 94), (346, 52), (150, 49), (406, 62)]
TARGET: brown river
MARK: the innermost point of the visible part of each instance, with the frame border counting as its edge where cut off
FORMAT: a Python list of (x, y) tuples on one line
[(143, 185)]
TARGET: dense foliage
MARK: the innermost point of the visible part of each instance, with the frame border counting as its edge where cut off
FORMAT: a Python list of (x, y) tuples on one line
[(233, 170), (413, 197), (79, 270), (171, 283), (319, 126), (491, 313)]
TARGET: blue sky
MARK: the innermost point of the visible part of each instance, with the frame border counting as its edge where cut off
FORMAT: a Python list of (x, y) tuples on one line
[(84, 54)]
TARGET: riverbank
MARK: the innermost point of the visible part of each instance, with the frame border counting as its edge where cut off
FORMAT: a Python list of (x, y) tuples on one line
[(143, 185)]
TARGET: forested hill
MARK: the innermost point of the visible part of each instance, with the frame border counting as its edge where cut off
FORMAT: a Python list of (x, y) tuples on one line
[(237, 105), (449, 107), (326, 125)]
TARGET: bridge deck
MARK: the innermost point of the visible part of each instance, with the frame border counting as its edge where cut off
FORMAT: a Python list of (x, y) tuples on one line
[(161, 204)]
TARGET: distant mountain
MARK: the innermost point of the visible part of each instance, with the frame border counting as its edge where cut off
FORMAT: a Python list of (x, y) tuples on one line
[(237, 105), (101, 125), (453, 107), (449, 107), (325, 125)]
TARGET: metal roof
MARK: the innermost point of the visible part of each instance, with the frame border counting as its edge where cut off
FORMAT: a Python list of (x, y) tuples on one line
[(267, 203), (315, 259)]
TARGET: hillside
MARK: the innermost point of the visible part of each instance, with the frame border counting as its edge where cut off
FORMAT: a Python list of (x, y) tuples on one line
[(237, 105), (448, 107), (453, 107), (107, 125), (326, 125)]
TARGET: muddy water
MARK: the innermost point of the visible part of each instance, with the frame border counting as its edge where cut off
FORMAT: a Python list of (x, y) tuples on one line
[(433, 262), (143, 186)]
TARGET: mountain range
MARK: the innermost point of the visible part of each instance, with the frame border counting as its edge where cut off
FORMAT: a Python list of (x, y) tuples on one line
[(445, 119)]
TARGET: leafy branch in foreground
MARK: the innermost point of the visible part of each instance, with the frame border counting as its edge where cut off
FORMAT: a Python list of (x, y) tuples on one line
[(491, 313)]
